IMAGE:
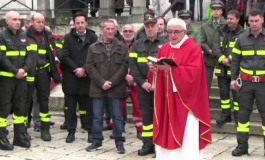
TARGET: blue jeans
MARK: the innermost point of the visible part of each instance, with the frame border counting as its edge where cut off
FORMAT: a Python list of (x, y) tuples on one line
[(98, 111)]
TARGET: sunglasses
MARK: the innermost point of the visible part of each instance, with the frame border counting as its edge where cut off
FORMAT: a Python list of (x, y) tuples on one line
[(174, 31)]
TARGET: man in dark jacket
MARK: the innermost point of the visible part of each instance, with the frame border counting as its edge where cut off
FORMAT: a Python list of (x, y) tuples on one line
[(76, 82), (42, 69), (107, 66)]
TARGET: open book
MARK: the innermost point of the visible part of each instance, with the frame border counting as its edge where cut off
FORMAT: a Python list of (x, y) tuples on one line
[(160, 61)]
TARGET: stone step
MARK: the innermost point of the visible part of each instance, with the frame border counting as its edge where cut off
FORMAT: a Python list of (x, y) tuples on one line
[(254, 117), (255, 128)]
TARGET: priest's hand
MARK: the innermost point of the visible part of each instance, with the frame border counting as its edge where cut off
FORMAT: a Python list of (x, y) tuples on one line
[(147, 86), (164, 67), (152, 67)]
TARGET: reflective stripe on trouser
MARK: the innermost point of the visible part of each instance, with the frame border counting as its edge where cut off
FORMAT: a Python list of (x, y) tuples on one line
[(3, 122), (12, 95), (18, 119), (225, 103), (235, 106), (42, 84), (45, 117), (147, 108), (243, 127), (263, 130), (147, 131), (85, 110), (249, 92)]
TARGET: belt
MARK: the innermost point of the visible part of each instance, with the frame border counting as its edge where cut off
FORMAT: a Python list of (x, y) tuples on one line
[(252, 78)]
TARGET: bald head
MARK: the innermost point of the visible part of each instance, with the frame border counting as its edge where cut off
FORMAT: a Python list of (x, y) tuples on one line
[(38, 22), (13, 21)]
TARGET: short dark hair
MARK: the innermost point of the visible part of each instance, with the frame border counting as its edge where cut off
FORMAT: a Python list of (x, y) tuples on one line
[(234, 12), (80, 14), (150, 12), (160, 17), (255, 12)]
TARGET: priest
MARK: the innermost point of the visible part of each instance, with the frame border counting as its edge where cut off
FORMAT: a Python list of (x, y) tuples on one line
[(182, 126)]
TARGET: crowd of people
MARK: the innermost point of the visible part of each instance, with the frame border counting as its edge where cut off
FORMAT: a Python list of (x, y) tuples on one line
[(171, 109)]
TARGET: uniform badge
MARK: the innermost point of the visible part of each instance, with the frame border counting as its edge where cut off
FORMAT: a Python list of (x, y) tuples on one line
[(23, 40)]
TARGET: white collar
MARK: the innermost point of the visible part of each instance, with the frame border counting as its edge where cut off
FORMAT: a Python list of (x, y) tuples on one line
[(180, 43)]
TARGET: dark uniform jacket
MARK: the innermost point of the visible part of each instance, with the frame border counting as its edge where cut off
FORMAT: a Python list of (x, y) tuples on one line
[(42, 52), (102, 66), (249, 54), (223, 48), (74, 56), (141, 49), (14, 55), (208, 37)]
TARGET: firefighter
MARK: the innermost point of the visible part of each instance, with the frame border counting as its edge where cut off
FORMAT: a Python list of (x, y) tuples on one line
[(222, 49), (43, 69), (141, 49), (248, 77), (13, 69)]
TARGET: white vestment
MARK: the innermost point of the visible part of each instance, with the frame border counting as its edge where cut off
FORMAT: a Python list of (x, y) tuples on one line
[(190, 146)]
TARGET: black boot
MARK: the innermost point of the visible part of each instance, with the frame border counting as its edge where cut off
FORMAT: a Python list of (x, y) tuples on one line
[(146, 149), (21, 140), (89, 137), (224, 117), (63, 126), (19, 136), (45, 131), (236, 116), (242, 147), (5, 145), (26, 134), (70, 137)]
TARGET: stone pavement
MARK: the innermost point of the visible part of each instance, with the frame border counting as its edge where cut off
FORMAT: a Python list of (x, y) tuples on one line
[(57, 149)]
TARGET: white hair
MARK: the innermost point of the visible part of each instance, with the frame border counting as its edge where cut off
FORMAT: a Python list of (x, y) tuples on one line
[(115, 22), (178, 22)]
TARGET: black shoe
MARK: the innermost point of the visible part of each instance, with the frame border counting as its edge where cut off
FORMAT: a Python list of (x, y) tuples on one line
[(146, 150), (37, 127), (7, 132), (223, 119), (63, 126), (5, 145), (70, 138), (240, 151), (45, 135), (139, 135), (111, 136), (94, 147), (52, 123), (120, 149), (21, 140), (27, 136), (89, 138)]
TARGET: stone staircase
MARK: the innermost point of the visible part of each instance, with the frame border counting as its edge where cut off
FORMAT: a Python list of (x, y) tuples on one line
[(255, 120), (57, 104)]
